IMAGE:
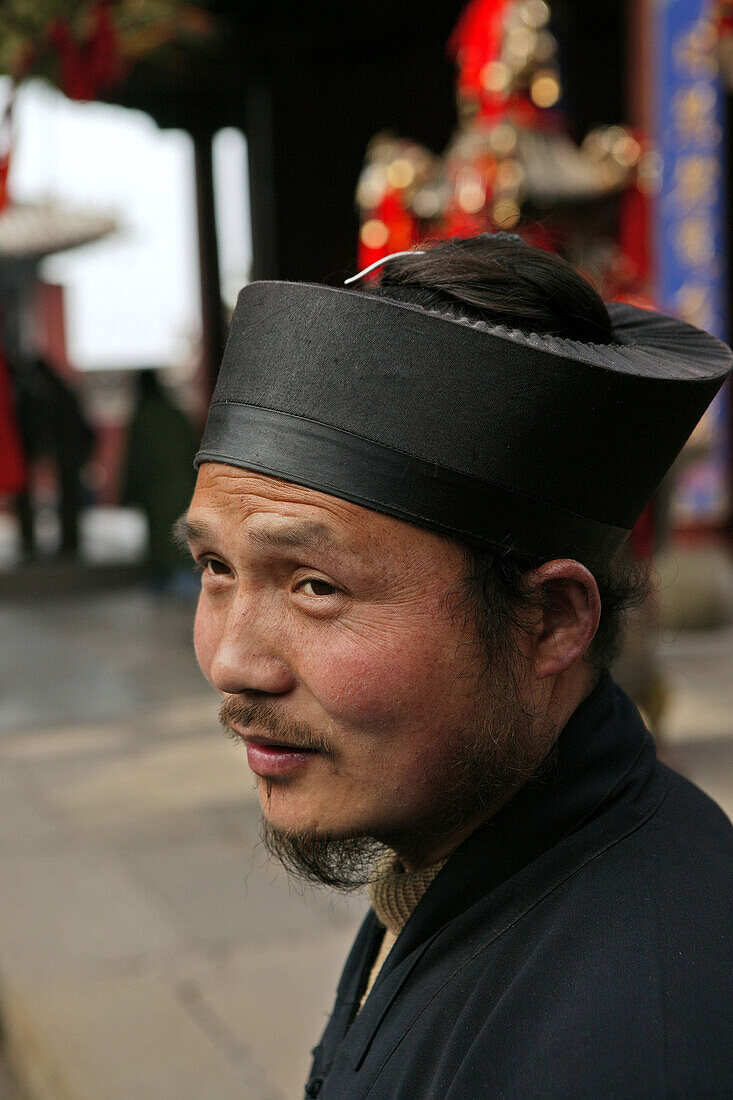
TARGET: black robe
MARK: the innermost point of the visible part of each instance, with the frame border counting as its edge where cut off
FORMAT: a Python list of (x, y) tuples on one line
[(578, 945)]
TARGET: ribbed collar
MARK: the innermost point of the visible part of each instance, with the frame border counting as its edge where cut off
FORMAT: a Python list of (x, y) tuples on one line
[(395, 892)]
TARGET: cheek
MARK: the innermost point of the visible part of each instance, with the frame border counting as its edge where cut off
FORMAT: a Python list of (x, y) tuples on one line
[(373, 687)]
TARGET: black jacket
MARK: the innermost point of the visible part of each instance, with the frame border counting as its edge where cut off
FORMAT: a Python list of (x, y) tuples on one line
[(578, 945)]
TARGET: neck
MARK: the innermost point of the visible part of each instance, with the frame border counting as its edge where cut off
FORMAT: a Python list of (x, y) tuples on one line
[(418, 852)]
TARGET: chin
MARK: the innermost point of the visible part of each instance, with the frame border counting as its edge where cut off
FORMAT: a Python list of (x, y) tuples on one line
[(289, 813)]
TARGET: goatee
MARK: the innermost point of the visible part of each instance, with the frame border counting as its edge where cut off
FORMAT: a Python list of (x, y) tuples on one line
[(344, 863)]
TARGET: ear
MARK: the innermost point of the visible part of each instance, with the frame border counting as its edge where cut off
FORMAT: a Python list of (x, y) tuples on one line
[(571, 609)]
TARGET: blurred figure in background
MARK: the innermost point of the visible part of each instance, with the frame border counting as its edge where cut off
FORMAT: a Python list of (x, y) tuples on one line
[(53, 428), (158, 476), (13, 472)]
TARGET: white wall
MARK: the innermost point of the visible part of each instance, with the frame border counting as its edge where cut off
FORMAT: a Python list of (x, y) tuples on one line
[(132, 299)]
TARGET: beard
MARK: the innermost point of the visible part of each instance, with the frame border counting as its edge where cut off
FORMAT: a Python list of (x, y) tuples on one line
[(481, 768)]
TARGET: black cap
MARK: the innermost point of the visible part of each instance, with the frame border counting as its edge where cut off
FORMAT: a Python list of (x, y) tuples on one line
[(543, 446)]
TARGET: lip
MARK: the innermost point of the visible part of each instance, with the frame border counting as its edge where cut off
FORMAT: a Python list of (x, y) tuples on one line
[(268, 759)]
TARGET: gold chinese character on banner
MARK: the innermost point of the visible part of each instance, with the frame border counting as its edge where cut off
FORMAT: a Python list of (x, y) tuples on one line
[(694, 114), (695, 52), (695, 177), (693, 304), (694, 239)]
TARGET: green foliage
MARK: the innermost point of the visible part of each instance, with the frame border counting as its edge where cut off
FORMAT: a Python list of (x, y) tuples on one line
[(31, 30)]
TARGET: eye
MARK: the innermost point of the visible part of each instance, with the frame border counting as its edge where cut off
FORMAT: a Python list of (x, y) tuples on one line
[(314, 586), (212, 567)]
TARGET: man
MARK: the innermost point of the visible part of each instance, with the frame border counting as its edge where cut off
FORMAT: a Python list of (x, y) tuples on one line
[(409, 515)]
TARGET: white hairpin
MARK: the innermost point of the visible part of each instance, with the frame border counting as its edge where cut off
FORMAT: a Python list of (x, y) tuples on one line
[(378, 263)]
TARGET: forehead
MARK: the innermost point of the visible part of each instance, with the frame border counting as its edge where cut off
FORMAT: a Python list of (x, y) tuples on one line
[(254, 505)]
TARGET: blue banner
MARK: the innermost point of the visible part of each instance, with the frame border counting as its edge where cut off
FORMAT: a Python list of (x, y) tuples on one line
[(690, 245)]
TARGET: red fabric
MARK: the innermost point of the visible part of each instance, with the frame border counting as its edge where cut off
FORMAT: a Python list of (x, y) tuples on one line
[(629, 277), (13, 473), (635, 235), (4, 169)]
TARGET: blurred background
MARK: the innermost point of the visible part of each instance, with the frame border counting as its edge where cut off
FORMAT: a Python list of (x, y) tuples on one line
[(155, 156)]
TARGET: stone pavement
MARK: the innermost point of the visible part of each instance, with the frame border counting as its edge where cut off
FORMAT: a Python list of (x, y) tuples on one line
[(147, 948)]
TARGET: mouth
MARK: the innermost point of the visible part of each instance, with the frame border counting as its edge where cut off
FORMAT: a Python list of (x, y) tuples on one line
[(269, 758)]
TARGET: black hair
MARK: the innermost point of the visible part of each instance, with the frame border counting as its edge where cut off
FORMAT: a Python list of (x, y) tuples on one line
[(499, 279), (495, 586)]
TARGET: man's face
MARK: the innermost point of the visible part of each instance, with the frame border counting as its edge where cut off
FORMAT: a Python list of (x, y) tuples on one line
[(328, 627)]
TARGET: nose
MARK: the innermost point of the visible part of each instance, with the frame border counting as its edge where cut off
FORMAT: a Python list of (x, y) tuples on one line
[(242, 657)]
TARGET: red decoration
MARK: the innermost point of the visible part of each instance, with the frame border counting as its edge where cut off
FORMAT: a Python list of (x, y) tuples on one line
[(476, 40), (398, 230), (456, 223), (86, 67), (105, 61), (476, 44), (508, 88)]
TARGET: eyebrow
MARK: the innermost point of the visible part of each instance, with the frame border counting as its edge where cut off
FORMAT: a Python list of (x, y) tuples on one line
[(299, 534), (185, 531)]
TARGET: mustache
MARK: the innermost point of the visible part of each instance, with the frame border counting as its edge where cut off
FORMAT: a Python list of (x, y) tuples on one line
[(265, 715)]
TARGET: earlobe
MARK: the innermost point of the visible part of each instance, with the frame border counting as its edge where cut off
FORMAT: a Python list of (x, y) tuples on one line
[(570, 610)]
